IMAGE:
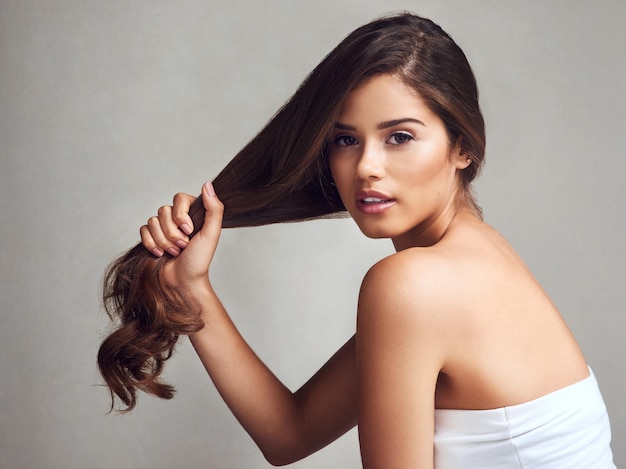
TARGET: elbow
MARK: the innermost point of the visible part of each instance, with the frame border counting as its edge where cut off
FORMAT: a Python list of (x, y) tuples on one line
[(280, 458), (277, 462), (282, 455), (288, 443)]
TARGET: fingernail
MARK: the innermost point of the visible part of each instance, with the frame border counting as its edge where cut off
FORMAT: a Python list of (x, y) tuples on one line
[(181, 244), (157, 252), (186, 229), (173, 251), (209, 188)]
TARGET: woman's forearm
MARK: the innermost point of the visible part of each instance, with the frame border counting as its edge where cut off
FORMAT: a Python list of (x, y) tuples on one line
[(265, 407)]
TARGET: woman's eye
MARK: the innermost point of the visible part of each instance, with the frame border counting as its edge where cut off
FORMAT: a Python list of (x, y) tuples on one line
[(398, 138), (344, 140)]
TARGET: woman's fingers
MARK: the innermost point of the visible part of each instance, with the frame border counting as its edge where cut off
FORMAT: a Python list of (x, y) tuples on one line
[(205, 241), (169, 230), (159, 238), (189, 271), (160, 234), (180, 212), (214, 211), (148, 241)]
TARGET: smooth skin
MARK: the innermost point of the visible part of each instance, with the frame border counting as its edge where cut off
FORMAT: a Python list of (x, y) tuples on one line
[(452, 320)]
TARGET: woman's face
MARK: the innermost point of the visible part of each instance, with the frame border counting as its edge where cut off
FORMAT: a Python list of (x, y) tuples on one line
[(393, 164)]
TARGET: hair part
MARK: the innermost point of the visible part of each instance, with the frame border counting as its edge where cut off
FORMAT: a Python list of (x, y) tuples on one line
[(283, 175)]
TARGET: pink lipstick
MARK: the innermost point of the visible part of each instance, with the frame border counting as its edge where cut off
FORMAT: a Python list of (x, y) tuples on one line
[(373, 202)]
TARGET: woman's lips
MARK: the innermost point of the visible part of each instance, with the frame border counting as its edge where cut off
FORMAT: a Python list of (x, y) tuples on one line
[(373, 203)]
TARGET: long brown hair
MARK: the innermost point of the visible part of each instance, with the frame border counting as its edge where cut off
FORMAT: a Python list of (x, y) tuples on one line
[(282, 175)]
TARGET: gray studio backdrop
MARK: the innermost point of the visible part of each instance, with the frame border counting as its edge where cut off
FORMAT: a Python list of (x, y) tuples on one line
[(107, 108)]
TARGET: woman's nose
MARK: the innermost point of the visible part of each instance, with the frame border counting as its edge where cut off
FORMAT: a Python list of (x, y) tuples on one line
[(371, 163)]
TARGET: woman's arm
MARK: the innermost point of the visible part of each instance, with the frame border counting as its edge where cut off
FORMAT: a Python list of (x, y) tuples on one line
[(286, 426), (400, 351)]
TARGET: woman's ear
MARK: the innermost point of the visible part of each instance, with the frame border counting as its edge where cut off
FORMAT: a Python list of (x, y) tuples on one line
[(460, 155)]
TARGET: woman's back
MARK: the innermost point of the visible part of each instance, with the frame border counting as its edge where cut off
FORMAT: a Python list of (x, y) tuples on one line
[(508, 343), (514, 390)]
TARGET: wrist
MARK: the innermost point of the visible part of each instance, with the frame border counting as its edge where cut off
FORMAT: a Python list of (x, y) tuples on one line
[(197, 296)]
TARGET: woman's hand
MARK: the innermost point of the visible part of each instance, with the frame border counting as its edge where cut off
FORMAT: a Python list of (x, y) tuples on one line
[(169, 232)]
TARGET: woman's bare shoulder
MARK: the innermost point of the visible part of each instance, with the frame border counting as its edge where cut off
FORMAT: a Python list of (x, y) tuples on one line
[(418, 287), (439, 268), (445, 278)]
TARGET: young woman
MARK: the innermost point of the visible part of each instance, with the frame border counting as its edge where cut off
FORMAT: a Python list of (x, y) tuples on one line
[(459, 357)]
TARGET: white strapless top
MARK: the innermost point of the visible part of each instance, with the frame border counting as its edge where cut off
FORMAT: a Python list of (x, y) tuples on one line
[(566, 429)]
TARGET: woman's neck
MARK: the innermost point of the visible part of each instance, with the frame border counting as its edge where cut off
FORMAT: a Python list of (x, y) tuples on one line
[(434, 231)]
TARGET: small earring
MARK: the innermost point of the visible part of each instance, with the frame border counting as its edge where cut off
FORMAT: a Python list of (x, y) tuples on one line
[(469, 161)]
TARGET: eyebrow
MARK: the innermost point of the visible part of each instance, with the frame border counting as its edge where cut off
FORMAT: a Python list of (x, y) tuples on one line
[(383, 125)]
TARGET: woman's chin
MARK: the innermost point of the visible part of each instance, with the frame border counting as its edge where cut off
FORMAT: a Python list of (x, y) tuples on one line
[(375, 232)]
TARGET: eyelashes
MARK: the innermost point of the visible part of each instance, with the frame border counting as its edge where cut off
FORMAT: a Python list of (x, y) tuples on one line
[(396, 138), (400, 138), (344, 141)]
